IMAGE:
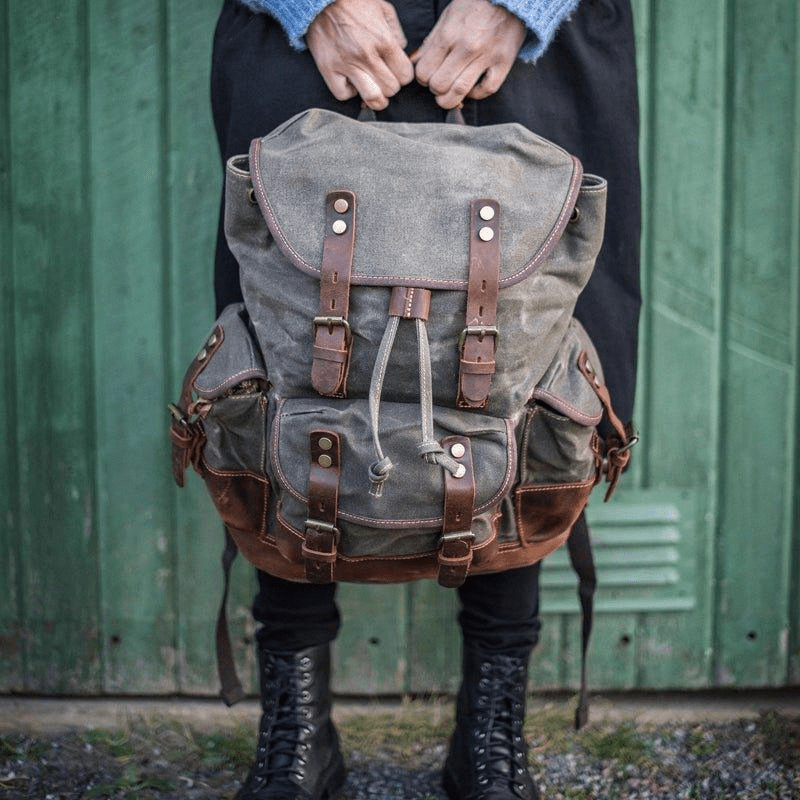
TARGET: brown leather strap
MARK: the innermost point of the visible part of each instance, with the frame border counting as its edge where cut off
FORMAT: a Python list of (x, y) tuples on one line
[(408, 302), (455, 552), (332, 339), (479, 338), (321, 534), (619, 444), (186, 434), (231, 689)]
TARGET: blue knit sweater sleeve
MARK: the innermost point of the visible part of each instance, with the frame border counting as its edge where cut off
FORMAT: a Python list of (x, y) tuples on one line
[(541, 17)]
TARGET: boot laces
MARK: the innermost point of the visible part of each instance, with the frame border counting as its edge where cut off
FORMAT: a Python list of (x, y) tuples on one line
[(285, 726), (499, 749)]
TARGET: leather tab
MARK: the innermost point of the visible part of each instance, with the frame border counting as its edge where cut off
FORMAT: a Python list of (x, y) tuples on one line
[(408, 302), (455, 551), (321, 534), (479, 339), (187, 434), (618, 445), (332, 340)]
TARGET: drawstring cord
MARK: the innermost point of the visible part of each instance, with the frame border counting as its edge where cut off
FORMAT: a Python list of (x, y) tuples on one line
[(428, 448), (379, 470)]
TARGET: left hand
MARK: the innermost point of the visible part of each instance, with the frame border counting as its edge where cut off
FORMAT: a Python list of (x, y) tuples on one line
[(469, 52)]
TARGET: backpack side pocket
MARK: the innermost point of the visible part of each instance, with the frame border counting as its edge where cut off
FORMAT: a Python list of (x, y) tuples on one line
[(560, 456), (220, 424)]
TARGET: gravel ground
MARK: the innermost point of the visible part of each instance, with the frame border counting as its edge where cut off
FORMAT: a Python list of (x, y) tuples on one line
[(399, 756)]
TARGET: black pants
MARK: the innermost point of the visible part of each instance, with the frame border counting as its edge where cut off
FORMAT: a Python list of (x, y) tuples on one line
[(582, 95)]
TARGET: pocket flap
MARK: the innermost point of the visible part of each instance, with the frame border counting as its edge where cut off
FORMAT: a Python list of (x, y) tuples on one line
[(237, 359), (564, 388)]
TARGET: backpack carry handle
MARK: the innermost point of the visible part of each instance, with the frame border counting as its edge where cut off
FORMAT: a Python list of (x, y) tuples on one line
[(454, 116)]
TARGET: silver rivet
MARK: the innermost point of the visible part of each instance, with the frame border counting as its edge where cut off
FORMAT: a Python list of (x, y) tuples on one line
[(460, 472), (212, 340), (325, 460), (339, 227), (486, 234), (458, 450), (325, 443), (486, 213), (341, 205), (201, 356)]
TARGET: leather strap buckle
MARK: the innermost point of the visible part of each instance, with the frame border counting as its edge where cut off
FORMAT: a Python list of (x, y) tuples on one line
[(457, 535), (480, 331), (178, 415), (317, 525), (334, 322)]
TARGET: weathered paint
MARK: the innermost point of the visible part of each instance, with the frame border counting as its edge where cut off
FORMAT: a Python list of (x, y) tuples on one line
[(109, 182)]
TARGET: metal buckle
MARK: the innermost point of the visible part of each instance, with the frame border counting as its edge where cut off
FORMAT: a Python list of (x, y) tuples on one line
[(323, 527), (331, 322), (480, 331), (632, 441), (318, 526), (178, 415), (452, 537)]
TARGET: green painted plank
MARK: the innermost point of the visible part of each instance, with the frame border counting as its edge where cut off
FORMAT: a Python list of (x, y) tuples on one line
[(546, 670), (11, 666), (194, 182), (670, 652), (642, 18), (754, 592), (128, 254), (434, 639), (679, 444), (762, 144), (687, 116), (685, 222), (613, 655), (793, 562), (52, 291), (688, 216), (371, 653), (755, 532)]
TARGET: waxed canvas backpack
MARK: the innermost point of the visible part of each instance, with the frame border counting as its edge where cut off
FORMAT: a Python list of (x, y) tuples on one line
[(404, 392)]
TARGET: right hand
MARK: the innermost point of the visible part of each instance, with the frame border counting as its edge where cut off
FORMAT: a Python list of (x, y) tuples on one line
[(358, 48)]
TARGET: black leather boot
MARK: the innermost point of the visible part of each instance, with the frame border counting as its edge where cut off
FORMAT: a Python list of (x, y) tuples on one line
[(298, 756), (488, 758)]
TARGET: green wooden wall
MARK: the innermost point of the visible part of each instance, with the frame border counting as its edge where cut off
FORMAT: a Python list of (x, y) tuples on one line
[(109, 576)]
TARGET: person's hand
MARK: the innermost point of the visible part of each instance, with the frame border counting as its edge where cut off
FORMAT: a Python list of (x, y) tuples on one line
[(469, 52), (358, 48)]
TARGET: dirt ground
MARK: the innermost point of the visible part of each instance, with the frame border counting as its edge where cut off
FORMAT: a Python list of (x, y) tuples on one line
[(397, 753)]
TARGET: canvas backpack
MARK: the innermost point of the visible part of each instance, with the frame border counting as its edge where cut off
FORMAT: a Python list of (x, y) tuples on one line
[(404, 392)]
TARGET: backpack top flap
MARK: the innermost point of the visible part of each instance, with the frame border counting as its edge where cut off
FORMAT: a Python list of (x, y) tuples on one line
[(413, 184)]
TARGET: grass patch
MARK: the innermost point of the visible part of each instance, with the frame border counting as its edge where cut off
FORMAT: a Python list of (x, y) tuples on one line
[(552, 729), (622, 744), (401, 736), (16, 746), (781, 735), (701, 743)]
